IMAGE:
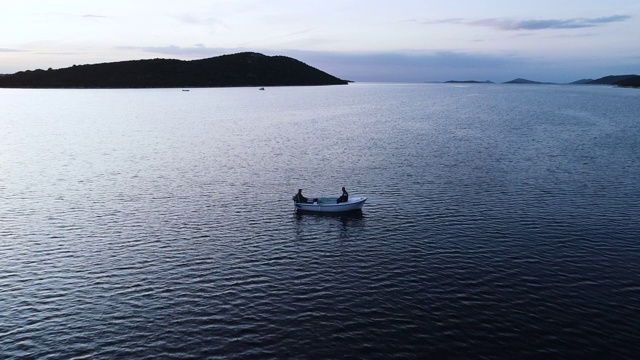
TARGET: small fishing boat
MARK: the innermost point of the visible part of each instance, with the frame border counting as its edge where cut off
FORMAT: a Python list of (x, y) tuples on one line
[(330, 204)]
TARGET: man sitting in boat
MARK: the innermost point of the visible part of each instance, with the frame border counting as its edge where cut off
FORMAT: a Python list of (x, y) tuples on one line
[(300, 198), (344, 197)]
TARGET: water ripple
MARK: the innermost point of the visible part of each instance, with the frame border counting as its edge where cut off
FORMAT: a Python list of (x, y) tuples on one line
[(486, 235)]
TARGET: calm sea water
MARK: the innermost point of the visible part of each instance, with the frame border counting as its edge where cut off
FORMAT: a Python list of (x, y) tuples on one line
[(502, 222)]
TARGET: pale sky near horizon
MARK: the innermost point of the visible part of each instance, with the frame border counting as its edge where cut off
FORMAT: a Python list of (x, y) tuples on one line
[(391, 41)]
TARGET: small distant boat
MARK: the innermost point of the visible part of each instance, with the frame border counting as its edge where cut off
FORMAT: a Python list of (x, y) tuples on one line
[(261, 89), (330, 204), (185, 89)]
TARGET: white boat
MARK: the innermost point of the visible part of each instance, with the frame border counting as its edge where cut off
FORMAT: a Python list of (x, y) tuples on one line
[(330, 204)]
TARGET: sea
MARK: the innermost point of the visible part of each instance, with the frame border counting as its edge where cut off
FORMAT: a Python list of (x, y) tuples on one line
[(502, 222)]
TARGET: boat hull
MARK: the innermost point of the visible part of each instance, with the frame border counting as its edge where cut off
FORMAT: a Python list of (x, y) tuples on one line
[(329, 205)]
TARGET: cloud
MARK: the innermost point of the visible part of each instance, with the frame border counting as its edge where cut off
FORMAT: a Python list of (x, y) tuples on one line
[(11, 50), (536, 24), (577, 23), (189, 19)]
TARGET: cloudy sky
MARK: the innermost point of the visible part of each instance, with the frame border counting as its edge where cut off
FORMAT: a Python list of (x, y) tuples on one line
[(372, 40)]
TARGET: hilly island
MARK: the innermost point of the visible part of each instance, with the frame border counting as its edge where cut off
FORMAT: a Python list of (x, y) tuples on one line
[(242, 69)]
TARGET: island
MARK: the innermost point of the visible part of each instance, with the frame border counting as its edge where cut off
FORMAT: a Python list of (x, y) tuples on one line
[(235, 70), (525, 81), (632, 82), (618, 80), (615, 80), (468, 82)]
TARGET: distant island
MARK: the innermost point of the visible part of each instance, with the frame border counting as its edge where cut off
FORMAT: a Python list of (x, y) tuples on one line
[(468, 82), (618, 80), (615, 80), (524, 81), (581, 81), (235, 70)]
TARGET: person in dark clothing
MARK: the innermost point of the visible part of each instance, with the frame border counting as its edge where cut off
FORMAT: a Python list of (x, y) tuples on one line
[(344, 197), (300, 198)]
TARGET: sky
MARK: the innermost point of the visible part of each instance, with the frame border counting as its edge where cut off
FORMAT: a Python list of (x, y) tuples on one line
[(364, 41)]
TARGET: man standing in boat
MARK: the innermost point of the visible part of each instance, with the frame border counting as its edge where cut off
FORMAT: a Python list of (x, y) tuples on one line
[(344, 197)]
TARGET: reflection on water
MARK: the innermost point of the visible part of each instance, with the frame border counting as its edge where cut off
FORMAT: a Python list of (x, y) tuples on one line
[(330, 222), (353, 214)]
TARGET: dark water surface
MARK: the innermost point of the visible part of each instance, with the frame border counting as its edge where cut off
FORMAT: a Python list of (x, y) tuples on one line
[(502, 222)]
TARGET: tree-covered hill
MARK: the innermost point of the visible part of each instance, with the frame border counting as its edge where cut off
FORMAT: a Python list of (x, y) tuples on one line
[(611, 79), (242, 69), (629, 81)]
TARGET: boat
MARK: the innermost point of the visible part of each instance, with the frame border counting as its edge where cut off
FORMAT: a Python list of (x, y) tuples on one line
[(330, 204)]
